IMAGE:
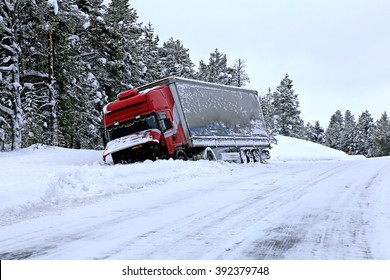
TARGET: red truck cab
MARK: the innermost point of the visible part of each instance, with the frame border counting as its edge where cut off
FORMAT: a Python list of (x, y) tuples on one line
[(140, 125)]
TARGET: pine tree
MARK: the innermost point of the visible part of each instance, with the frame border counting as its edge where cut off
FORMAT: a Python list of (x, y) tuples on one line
[(88, 97), (202, 71), (269, 114), (365, 129), (319, 134), (11, 110), (348, 136), (175, 60), (217, 70), (382, 136), (66, 71), (314, 133), (239, 76), (3, 129), (35, 57), (268, 109), (149, 49), (124, 66), (335, 130), (287, 114), (309, 132)]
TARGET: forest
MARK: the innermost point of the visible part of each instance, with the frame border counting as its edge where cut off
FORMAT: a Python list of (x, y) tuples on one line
[(363, 136), (62, 61)]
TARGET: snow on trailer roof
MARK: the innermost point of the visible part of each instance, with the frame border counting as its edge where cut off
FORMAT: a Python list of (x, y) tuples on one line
[(172, 79)]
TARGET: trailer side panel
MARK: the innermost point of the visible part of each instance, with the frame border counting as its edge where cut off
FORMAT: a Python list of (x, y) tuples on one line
[(220, 112)]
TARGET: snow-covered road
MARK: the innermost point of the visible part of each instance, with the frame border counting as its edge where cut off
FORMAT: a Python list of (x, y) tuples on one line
[(335, 209)]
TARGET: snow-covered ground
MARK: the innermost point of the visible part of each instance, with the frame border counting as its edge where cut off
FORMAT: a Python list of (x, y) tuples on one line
[(308, 202)]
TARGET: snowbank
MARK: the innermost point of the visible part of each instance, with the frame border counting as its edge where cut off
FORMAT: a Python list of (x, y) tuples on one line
[(40, 178), (292, 149), (43, 177)]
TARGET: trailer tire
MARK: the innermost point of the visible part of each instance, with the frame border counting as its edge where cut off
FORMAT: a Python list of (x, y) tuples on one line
[(264, 156), (250, 156), (244, 158), (208, 154), (256, 155)]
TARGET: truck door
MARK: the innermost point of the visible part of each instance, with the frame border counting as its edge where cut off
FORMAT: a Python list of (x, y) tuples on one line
[(168, 131)]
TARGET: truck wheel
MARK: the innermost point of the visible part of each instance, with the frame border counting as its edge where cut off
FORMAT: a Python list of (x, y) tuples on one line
[(181, 155), (115, 158), (153, 152)]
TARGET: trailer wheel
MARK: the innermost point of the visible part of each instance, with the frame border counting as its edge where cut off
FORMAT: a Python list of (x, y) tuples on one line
[(244, 158), (250, 156), (256, 155), (264, 156), (208, 154)]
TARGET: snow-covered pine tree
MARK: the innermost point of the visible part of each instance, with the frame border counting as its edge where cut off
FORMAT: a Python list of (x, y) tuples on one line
[(217, 70), (268, 110), (319, 133), (239, 76), (59, 76), (382, 136), (348, 136), (82, 122), (149, 49), (11, 110), (175, 60), (287, 118), (3, 128), (314, 133), (365, 130), (309, 132), (269, 113), (335, 130), (202, 71), (124, 66), (40, 102)]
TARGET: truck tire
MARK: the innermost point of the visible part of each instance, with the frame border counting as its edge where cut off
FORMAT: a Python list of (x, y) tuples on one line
[(181, 155), (115, 158)]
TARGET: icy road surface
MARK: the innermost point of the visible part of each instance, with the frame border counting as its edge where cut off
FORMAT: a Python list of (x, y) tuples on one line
[(333, 209)]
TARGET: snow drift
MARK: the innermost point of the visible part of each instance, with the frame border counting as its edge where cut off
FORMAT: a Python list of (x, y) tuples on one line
[(42, 176)]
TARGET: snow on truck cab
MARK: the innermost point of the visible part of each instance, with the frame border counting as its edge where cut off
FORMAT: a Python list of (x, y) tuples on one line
[(185, 119)]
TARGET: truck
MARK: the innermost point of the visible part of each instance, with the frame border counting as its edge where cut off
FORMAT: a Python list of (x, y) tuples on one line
[(185, 119)]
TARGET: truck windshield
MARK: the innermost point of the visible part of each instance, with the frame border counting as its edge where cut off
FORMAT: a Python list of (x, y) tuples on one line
[(143, 123)]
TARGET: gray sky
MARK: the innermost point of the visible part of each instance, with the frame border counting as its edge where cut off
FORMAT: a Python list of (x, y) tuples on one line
[(337, 52)]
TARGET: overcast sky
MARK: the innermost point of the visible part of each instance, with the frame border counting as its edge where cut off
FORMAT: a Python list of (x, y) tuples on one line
[(337, 52)]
